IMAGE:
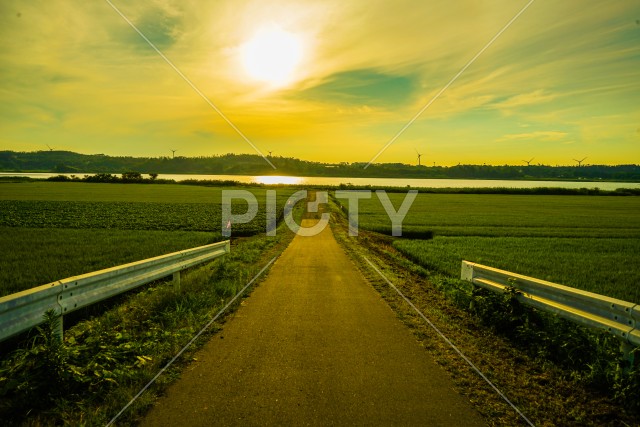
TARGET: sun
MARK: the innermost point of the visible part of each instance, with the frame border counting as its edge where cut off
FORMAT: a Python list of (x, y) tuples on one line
[(272, 55)]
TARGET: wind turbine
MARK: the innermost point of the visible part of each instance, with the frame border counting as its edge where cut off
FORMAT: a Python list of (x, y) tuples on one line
[(528, 162), (270, 153), (174, 153), (50, 149), (579, 161), (419, 155)]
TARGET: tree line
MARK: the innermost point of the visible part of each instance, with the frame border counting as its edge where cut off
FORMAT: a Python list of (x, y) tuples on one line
[(250, 164)]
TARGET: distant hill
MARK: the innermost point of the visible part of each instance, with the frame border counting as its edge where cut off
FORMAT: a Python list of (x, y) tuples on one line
[(250, 164)]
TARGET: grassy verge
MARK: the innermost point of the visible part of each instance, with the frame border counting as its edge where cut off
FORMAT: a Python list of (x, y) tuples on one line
[(548, 390)]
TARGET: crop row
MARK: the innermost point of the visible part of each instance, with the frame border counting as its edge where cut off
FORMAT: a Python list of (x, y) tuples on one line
[(510, 215), (121, 215), (36, 256)]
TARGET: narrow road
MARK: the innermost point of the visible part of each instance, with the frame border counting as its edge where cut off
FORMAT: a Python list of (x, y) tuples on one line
[(314, 344)]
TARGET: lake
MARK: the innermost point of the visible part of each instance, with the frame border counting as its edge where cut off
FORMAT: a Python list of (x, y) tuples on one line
[(376, 182)]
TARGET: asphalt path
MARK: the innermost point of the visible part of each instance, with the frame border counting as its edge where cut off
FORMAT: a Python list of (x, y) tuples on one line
[(314, 344)]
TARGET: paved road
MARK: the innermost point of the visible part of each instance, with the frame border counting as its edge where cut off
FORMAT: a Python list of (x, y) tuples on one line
[(314, 344)]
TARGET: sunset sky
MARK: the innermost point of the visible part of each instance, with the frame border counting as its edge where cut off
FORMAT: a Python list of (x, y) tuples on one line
[(561, 83)]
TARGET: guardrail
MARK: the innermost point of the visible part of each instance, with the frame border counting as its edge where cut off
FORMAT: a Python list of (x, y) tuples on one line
[(22, 311), (620, 318)]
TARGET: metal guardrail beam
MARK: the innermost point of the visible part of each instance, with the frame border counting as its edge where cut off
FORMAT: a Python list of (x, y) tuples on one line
[(620, 318), (22, 311)]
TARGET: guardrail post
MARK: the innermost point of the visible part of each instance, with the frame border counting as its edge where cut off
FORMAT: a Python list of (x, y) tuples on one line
[(176, 281), (628, 355), (467, 271), (59, 330)]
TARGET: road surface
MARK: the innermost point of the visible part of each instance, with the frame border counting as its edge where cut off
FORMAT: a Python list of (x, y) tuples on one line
[(314, 344)]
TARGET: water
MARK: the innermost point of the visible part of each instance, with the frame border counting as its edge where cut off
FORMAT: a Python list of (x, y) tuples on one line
[(376, 182)]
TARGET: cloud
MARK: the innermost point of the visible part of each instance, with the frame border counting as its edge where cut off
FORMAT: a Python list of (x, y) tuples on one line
[(362, 87), (160, 26), (537, 136), (507, 106)]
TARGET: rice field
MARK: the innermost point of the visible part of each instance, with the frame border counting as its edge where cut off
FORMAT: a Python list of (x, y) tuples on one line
[(36, 256), (602, 265), (53, 230), (587, 242)]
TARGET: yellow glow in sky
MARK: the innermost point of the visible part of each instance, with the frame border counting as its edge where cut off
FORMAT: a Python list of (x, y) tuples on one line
[(329, 81)]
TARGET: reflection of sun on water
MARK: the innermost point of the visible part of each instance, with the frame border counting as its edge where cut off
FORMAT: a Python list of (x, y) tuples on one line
[(278, 179)]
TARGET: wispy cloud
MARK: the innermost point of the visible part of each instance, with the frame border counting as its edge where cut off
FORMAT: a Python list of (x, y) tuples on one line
[(515, 102), (535, 136)]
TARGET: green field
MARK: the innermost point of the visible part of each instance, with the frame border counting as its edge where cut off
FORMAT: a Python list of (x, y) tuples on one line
[(124, 206), (117, 215), (36, 256), (77, 191), (605, 266), (52, 230), (588, 242), (511, 215)]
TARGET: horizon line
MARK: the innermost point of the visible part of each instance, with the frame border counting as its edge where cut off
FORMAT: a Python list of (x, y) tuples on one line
[(329, 163)]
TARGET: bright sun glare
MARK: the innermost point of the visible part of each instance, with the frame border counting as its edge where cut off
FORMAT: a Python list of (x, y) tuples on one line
[(272, 55)]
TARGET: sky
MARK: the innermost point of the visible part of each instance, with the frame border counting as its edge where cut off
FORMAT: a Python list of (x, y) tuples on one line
[(561, 83)]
